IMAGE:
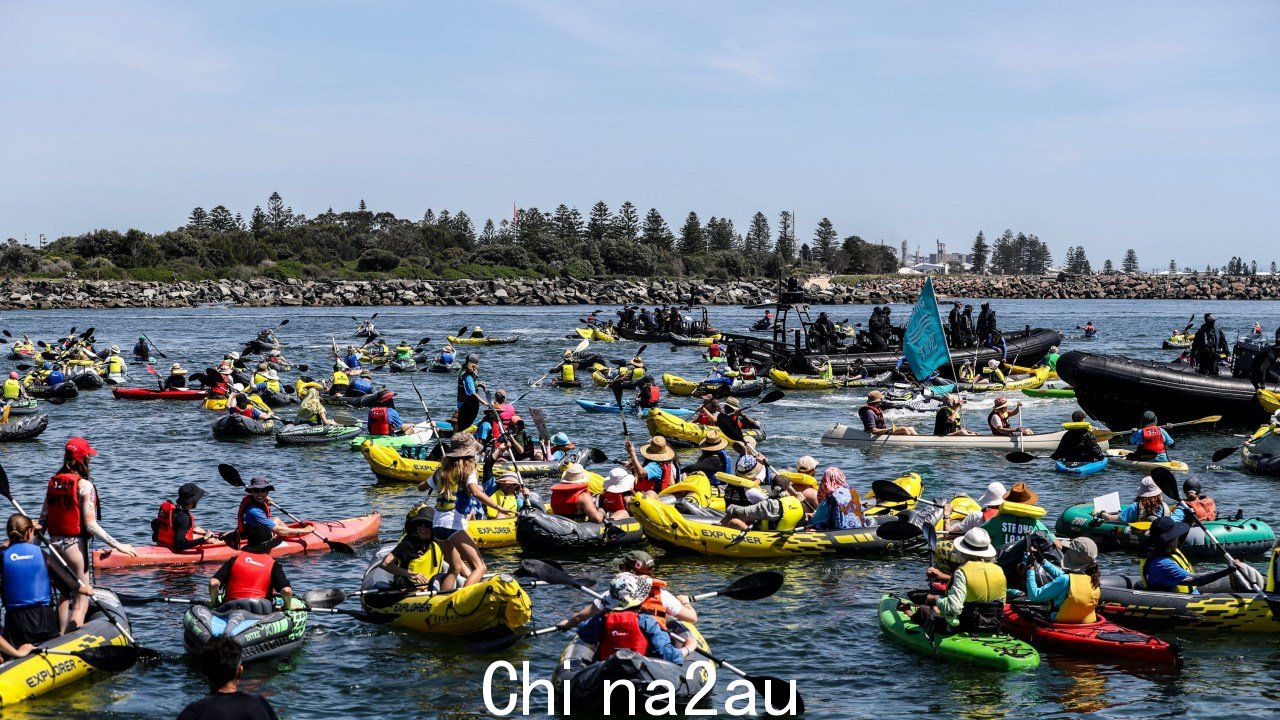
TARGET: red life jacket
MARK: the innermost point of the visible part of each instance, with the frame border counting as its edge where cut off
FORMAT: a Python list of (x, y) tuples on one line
[(650, 395), (63, 499), (611, 502), (250, 577), (645, 484), (988, 513), (621, 630), (378, 424), (1153, 439), (748, 372), (652, 605), (245, 502), (245, 411), (715, 350), (164, 525), (564, 498), (879, 422)]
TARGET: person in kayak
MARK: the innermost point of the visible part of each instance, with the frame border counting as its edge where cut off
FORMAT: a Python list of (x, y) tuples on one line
[(174, 527), (967, 372), (749, 506), (117, 369), (1166, 569), (417, 558), (242, 404), (142, 350), (1078, 445), (468, 394), (1089, 329), (311, 410), (1207, 346), (270, 382), (948, 420), (506, 411), (571, 497), (457, 487), (219, 660), (13, 389), (622, 625), (255, 511), (974, 599), (712, 458), (522, 446), (1073, 590), (252, 574), (997, 375), (1146, 506), (561, 446), (70, 514), (477, 332), (837, 509), (663, 605), (511, 496), (873, 420), (998, 419), (649, 394), (708, 411), (858, 370), (732, 421), (659, 470), (565, 372), (55, 376), (617, 490), (489, 431), (1151, 439), (383, 418), (352, 358), (27, 576), (176, 379), (1202, 505)]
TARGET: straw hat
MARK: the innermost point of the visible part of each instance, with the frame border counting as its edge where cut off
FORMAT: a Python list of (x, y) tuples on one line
[(657, 449), (177, 369), (875, 396), (714, 441), (574, 473), (999, 403), (731, 402), (976, 543)]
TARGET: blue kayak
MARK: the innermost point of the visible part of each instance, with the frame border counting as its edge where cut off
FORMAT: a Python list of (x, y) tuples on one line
[(1082, 469), (940, 390), (611, 408)]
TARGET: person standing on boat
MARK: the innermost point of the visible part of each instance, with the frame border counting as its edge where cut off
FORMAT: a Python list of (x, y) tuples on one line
[(1151, 439), (968, 336), (953, 325), (1207, 346)]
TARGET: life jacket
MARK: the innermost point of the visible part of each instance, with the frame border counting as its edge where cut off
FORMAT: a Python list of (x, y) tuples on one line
[(612, 502), (715, 350), (984, 582), (1205, 508), (445, 358), (462, 381), (1013, 522), (25, 577), (566, 373), (341, 378), (1153, 439), (988, 513), (510, 503), (564, 498), (826, 372), (362, 385), (250, 577), (55, 378), (1178, 558), (247, 411), (63, 499), (162, 526), (1271, 571), (429, 563), (403, 351), (669, 473), (1081, 601), (621, 630), (378, 424), (653, 606), (458, 499), (650, 395), (259, 378), (877, 412), (747, 372), (115, 365), (245, 502), (1000, 420), (792, 514), (12, 389)]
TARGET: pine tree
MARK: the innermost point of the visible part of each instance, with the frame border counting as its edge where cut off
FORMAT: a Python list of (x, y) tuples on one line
[(462, 225), (567, 223), (1107, 267), (1071, 265), (655, 231), (444, 219), (258, 222), (363, 207), (277, 215), (980, 251), (239, 219), (1130, 263), (428, 218), (1173, 266), (221, 220), (489, 234), (1082, 261), (692, 241), (1004, 255), (198, 219), (757, 241), (1253, 267), (786, 237), (626, 224), (599, 223), (824, 243), (806, 253), (720, 234)]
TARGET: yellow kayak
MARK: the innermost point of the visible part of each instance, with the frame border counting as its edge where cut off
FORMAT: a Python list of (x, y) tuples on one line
[(680, 432), (697, 488), (213, 403), (499, 602), (1024, 370), (1032, 381), (786, 381), (389, 466), (1269, 400), (482, 340), (911, 482), (594, 334)]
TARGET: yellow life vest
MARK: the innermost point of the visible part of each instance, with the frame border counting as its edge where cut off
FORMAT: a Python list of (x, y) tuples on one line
[(12, 389), (340, 378), (1182, 562), (984, 581), (429, 563), (826, 373), (1081, 601), (792, 514), (273, 385), (404, 351), (259, 378), (115, 365), (566, 372), (507, 502), (1271, 571)]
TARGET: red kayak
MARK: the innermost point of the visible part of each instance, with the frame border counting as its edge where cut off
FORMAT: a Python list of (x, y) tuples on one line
[(148, 394), (350, 531), (1099, 639)]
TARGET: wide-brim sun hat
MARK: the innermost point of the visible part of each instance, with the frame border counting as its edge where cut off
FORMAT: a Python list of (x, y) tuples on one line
[(713, 441), (463, 445), (1020, 493), (658, 450), (1078, 554), (619, 481), (976, 543), (574, 473), (1148, 488), (993, 496)]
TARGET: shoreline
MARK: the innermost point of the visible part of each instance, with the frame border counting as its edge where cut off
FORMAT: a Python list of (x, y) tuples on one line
[(42, 294)]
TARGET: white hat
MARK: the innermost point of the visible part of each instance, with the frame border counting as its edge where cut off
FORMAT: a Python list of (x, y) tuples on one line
[(619, 481), (976, 543), (238, 387), (993, 363), (273, 375), (233, 355), (1148, 488), (275, 352), (993, 496)]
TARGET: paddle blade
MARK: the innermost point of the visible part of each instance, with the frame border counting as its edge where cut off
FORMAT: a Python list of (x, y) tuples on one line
[(1165, 480), (1223, 453), (339, 547), (284, 322), (327, 598), (581, 346), (898, 530), (135, 600), (771, 397), (596, 456), (754, 586), (108, 658), (4, 484), (230, 475), (887, 491), (549, 573), (1018, 457)]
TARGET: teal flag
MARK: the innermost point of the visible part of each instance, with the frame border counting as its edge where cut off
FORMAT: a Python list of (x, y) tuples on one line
[(924, 344)]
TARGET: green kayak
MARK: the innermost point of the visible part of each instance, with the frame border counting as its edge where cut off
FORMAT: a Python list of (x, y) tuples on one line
[(998, 652), (1246, 536), (422, 435), (1055, 393)]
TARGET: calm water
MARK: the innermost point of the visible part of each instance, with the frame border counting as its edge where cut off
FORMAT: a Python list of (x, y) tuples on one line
[(820, 628)]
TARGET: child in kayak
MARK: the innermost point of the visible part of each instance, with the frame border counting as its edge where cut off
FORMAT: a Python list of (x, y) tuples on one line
[(1073, 590)]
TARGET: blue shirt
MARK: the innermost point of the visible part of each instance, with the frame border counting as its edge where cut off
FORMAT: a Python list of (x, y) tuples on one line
[(446, 358), (255, 516), (659, 642), (393, 419), (1136, 439), (352, 360), (1130, 513), (469, 385), (55, 378), (1164, 573), (1053, 592)]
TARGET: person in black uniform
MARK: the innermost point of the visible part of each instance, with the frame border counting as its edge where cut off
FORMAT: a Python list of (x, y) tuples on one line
[(953, 325), (1207, 346)]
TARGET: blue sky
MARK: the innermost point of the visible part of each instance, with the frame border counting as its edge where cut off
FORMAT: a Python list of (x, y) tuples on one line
[(1151, 125)]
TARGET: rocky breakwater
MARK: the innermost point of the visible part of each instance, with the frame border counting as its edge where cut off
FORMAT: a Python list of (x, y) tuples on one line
[(1117, 286)]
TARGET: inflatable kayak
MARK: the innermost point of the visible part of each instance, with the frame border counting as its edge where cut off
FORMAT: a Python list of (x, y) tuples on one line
[(403, 365), (36, 674), (1102, 639), (1218, 607), (389, 465), (496, 604), (87, 380), (1176, 344), (351, 531), (539, 532), (688, 341), (439, 367), (315, 434), (667, 527), (594, 334), (422, 434), (1030, 382), (1052, 393), (219, 404), (231, 426), (1250, 536), (683, 433), (261, 630), (483, 341), (1081, 469), (25, 427), (66, 389), (275, 399), (21, 407), (997, 652), (1261, 454), (1120, 458), (586, 677), (845, 435), (631, 409), (366, 400), (677, 385), (149, 394), (786, 381)]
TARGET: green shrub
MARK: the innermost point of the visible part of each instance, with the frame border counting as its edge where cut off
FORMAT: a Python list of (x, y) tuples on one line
[(375, 260)]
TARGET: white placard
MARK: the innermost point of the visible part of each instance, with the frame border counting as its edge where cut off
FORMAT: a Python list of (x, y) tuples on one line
[(1109, 502)]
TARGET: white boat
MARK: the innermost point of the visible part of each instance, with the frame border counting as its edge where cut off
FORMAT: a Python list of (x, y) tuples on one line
[(847, 436)]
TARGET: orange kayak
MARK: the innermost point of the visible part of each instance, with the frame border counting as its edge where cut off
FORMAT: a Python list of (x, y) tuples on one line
[(350, 531)]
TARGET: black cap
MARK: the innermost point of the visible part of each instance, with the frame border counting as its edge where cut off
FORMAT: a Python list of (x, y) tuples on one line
[(1191, 484), (190, 492), (1165, 529)]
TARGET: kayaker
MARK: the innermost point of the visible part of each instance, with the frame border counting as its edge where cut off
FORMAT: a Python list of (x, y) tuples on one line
[(13, 389), (117, 370), (506, 411), (457, 487), (511, 495), (352, 358), (1205, 508), (998, 419), (177, 378), (255, 511), (270, 382), (974, 600), (837, 509), (417, 558), (311, 410), (990, 502), (622, 625), (802, 485), (242, 404), (174, 527), (1073, 590), (404, 351), (566, 370), (732, 418), (1257, 328), (468, 394), (825, 371), (659, 470), (1078, 445), (1151, 439), (383, 417), (477, 332), (219, 660), (489, 431), (1146, 506), (997, 375), (561, 446), (341, 381), (713, 458), (446, 355), (70, 514), (661, 604), (1051, 359), (1011, 522), (707, 412), (252, 574), (1207, 346), (748, 507), (966, 372), (571, 497), (747, 372), (948, 420), (1089, 329), (141, 350), (858, 371), (1166, 569), (360, 385), (522, 446), (618, 487), (649, 395), (873, 420), (27, 576), (55, 376)]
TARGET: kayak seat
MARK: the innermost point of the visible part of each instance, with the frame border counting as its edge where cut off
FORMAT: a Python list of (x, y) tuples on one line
[(257, 606)]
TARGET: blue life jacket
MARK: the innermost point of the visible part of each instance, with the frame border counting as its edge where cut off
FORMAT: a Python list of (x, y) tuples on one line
[(55, 378), (363, 385), (24, 577), (352, 360), (446, 358)]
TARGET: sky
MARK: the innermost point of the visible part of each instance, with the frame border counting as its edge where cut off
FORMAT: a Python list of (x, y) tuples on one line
[(1151, 125)]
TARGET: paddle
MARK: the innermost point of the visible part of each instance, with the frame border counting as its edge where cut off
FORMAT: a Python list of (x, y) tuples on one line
[(1106, 434), (887, 491), (374, 618), (616, 387), (108, 658), (155, 347), (232, 477), (1222, 453)]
